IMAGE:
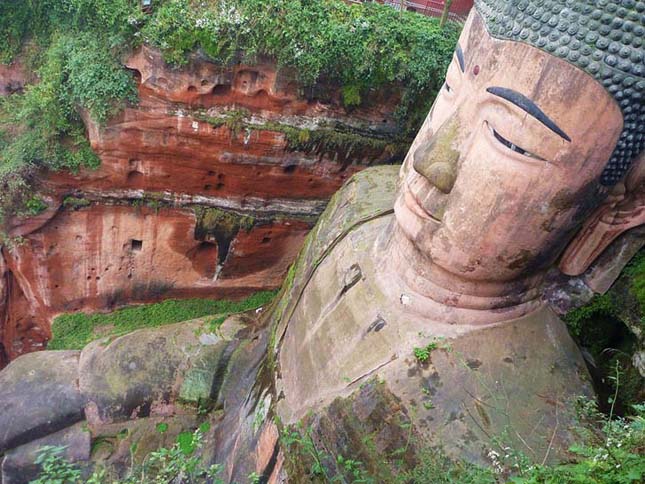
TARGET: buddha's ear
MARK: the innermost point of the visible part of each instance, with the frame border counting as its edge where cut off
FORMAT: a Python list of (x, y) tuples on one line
[(623, 210)]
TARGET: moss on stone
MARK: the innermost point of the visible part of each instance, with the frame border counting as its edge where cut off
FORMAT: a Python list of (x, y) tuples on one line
[(636, 271), (211, 221), (75, 203), (234, 119), (340, 143), (221, 225), (197, 386)]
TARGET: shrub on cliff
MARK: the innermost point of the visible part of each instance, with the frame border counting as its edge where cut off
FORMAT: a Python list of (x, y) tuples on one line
[(611, 328), (72, 49), (359, 47)]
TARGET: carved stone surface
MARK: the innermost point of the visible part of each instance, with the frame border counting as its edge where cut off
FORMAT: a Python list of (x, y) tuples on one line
[(603, 38), (420, 297), (19, 467), (40, 395)]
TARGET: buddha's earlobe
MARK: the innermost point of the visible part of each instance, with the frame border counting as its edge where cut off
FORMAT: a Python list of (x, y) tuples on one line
[(623, 210)]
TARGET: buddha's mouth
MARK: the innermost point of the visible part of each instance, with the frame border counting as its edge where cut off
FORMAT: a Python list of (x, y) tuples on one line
[(415, 207)]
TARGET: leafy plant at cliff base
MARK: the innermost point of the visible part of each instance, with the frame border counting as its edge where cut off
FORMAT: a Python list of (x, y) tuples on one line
[(614, 454), (54, 467), (76, 330), (610, 328), (299, 444), (179, 464)]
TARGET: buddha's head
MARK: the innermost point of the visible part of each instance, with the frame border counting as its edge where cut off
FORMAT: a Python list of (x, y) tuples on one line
[(536, 126)]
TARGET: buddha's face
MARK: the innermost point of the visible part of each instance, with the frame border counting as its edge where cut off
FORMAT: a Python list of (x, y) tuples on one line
[(507, 164)]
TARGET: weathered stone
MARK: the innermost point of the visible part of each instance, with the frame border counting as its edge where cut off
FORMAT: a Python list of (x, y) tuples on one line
[(202, 383), (133, 254), (349, 207), (370, 426), (117, 446), (145, 372), (245, 396), (19, 467), (39, 395)]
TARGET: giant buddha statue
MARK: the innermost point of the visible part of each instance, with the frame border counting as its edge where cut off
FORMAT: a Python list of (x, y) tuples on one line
[(432, 280), (423, 309)]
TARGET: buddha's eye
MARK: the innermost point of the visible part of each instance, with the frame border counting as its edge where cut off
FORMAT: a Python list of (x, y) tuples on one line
[(512, 146), (447, 86)]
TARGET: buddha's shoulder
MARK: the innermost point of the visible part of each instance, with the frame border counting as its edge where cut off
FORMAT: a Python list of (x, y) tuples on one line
[(365, 197)]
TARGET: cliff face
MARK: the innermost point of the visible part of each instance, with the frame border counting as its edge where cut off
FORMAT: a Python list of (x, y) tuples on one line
[(206, 189)]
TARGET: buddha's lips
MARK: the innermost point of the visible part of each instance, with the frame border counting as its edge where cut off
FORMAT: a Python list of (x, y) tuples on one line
[(415, 207)]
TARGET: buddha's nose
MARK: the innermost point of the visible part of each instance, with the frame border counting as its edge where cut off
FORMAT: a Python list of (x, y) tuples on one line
[(437, 160)]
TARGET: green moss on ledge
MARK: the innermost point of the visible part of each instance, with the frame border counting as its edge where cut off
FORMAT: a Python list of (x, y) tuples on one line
[(213, 221), (75, 203), (75, 330), (338, 143)]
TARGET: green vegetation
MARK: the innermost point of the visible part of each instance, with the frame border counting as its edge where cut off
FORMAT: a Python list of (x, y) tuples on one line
[(422, 354), (337, 142), (75, 203), (75, 330), (435, 467), (299, 443), (611, 327), (358, 47), (180, 463), (74, 49), (211, 220), (34, 206), (611, 455), (601, 306), (610, 451), (636, 272)]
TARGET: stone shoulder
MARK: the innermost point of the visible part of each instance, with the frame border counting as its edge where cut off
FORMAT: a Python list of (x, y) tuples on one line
[(369, 194)]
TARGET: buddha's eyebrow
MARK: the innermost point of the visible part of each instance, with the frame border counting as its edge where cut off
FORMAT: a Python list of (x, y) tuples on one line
[(460, 58), (524, 103)]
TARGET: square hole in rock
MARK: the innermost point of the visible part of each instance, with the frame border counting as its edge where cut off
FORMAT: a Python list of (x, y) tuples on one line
[(136, 245)]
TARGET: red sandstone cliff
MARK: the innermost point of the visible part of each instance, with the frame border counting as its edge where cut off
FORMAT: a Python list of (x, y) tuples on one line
[(206, 189)]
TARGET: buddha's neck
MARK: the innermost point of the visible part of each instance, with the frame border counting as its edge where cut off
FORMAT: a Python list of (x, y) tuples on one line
[(434, 292)]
